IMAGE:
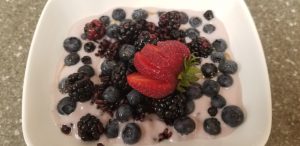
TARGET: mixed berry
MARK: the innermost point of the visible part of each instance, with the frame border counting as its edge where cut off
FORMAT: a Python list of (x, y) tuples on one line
[(148, 69)]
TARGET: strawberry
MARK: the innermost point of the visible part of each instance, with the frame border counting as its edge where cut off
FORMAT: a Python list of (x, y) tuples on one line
[(170, 46), (146, 68), (150, 87), (155, 56)]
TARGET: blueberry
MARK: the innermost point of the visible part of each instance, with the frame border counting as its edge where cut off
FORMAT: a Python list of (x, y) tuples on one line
[(62, 85), (192, 33), (208, 15), (107, 67), (131, 134), (126, 52), (118, 14), (209, 70), (66, 106), (111, 94), (212, 126), (190, 107), (220, 45), (124, 113), (225, 80), (86, 60), (112, 31), (112, 129), (86, 69), (134, 97), (210, 88), (232, 115), (212, 111), (184, 18), (217, 57), (218, 101), (139, 14), (228, 67), (209, 28), (72, 44), (184, 125), (105, 20), (195, 21), (72, 59), (194, 92), (89, 47)]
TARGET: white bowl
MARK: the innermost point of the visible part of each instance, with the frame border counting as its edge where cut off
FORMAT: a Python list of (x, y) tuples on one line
[(59, 15)]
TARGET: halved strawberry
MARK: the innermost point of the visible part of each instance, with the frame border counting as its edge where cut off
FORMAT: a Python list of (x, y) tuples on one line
[(173, 46), (150, 87), (146, 68), (155, 56)]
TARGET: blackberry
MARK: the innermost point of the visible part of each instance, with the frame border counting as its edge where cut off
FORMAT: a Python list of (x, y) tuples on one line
[(184, 18), (166, 134), (139, 14), (170, 108), (151, 27), (89, 47), (118, 76), (71, 59), (105, 20), (90, 128), (79, 87), (108, 49), (192, 33), (86, 69), (209, 28), (128, 32), (170, 20), (112, 31), (201, 47), (178, 35), (144, 38), (119, 14), (208, 15), (86, 60), (195, 21), (94, 30), (72, 44)]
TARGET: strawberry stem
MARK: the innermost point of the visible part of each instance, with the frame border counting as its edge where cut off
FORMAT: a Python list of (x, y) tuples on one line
[(190, 73)]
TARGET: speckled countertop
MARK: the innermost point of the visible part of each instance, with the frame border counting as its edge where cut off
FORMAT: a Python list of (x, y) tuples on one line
[(278, 23)]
